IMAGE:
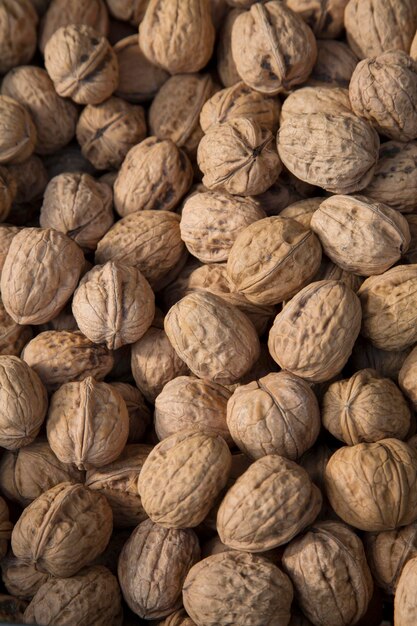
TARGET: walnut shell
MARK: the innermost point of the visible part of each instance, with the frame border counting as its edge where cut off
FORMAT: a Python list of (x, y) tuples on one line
[(139, 413), (320, 99), (182, 477), (13, 336), (39, 275), (152, 568), (154, 176), (326, 19), (330, 271), (314, 334), (226, 67), (302, 211), (8, 190), (18, 20), (328, 562), (200, 321), (214, 595), (179, 618), (335, 64), (407, 376), (273, 48), (178, 36), (128, 10), (371, 485), (7, 232), (405, 609), (238, 157), (21, 579), (81, 64), (18, 132)]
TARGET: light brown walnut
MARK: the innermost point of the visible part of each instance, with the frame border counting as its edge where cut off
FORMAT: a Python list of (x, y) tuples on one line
[(139, 413), (7, 232), (226, 67), (318, 99), (21, 579), (128, 10), (17, 132), (407, 376), (302, 211), (18, 25), (405, 607)]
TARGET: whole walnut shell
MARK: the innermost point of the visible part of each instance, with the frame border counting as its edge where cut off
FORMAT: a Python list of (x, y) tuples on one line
[(215, 339), (21, 579), (128, 10), (328, 562), (63, 530), (405, 610), (152, 568), (214, 595), (324, 18), (268, 505), (335, 64), (182, 477), (302, 211), (318, 99), (177, 36), (39, 275), (139, 413), (273, 48), (13, 336), (407, 376), (81, 64), (18, 22), (238, 157), (7, 232), (18, 132), (277, 414), (314, 334), (226, 67), (371, 485)]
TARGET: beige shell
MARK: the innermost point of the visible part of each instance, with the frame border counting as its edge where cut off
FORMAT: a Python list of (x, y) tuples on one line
[(21, 579), (226, 67), (405, 609), (407, 376), (81, 64), (268, 505), (272, 259), (319, 99), (360, 235), (371, 485), (273, 48), (286, 190), (215, 596), (277, 414), (238, 157), (365, 408), (345, 164), (330, 271), (211, 222), (335, 64), (7, 232), (388, 308), (154, 176), (90, 598), (328, 562), (187, 402), (18, 22), (39, 275), (152, 568), (387, 362), (128, 10), (382, 91), (139, 413), (177, 36), (314, 334), (325, 17), (201, 321), (63, 530), (182, 477), (13, 336), (17, 131), (8, 190), (60, 357), (302, 211)]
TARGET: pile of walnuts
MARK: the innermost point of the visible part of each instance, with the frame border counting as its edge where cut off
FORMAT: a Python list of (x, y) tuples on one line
[(208, 312)]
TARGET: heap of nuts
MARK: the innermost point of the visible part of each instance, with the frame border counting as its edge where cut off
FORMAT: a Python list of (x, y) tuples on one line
[(208, 312)]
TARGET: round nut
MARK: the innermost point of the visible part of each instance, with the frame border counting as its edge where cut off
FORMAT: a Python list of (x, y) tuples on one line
[(18, 132), (18, 20), (21, 579), (226, 67), (13, 336), (324, 18)]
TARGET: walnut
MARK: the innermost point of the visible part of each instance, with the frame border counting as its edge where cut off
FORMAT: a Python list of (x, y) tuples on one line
[(139, 413), (238, 157), (152, 568), (13, 336), (324, 18), (18, 22), (302, 211), (81, 64), (182, 477), (371, 485), (18, 132), (319, 99), (272, 259), (413, 48), (314, 334), (405, 613), (21, 579), (7, 232), (178, 36), (335, 64), (407, 376), (154, 176), (12, 609), (328, 562), (107, 131), (215, 596), (387, 362), (128, 10), (63, 530), (8, 190), (226, 67), (277, 414)]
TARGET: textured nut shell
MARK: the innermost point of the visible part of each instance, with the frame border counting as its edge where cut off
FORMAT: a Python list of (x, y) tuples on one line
[(314, 334), (182, 477), (324, 17), (371, 485), (302, 211), (330, 271), (238, 157), (321, 99), (139, 413), (329, 563), (268, 505), (413, 48), (407, 376), (18, 22), (13, 337), (215, 339), (21, 579), (273, 48), (177, 36), (405, 609), (17, 131), (226, 67), (7, 232), (152, 568), (214, 595), (335, 64), (128, 10), (272, 259)]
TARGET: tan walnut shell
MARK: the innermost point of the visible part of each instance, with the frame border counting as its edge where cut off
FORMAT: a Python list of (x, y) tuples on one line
[(318, 99), (407, 376), (405, 610), (200, 322), (226, 67), (360, 235), (182, 477), (81, 64), (371, 485), (18, 132), (314, 334), (268, 505), (139, 413), (328, 562), (330, 271), (238, 157), (335, 64), (18, 21), (13, 336), (325, 18), (152, 568), (277, 414), (302, 211), (177, 36), (273, 48), (63, 530), (214, 595), (88, 423), (21, 579), (272, 259)]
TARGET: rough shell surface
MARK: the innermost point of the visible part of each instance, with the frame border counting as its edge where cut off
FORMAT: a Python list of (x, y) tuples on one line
[(17, 132), (226, 67), (13, 336), (21, 579), (18, 22), (407, 376), (319, 99)]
